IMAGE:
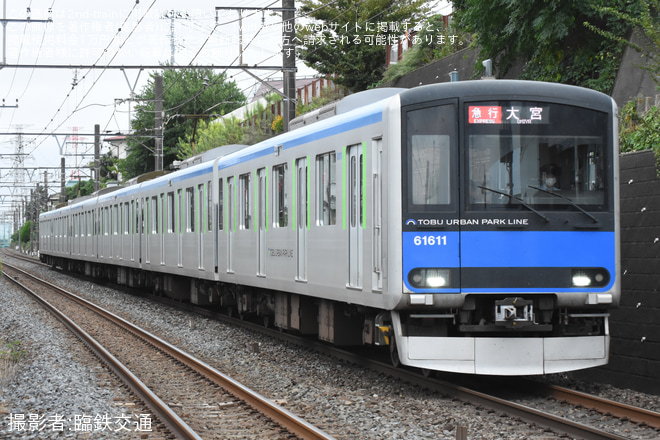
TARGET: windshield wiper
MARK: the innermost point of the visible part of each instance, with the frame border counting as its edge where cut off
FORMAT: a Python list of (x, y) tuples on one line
[(556, 194), (522, 202)]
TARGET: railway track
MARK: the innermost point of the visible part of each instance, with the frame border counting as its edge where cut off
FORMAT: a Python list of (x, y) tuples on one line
[(191, 398), (604, 406), (482, 396)]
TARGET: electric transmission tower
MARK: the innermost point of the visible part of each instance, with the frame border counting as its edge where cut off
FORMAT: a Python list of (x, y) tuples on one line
[(173, 15)]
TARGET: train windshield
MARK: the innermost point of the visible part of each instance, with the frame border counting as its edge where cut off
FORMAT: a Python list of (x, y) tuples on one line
[(541, 154)]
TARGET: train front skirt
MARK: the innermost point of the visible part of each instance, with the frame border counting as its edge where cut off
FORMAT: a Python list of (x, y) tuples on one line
[(502, 356)]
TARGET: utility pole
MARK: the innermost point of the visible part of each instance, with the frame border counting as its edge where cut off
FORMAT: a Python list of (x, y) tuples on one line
[(172, 14), (97, 157), (46, 189), (289, 61), (158, 121), (288, 11), (62, 180), (31, 219)]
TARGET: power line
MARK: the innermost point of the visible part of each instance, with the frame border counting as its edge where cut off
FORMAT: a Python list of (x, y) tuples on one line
[(153, 66)]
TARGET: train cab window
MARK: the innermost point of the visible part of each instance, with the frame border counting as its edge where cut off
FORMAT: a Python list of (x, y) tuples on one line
[(538, 153), (190, 209), (244, 201), (326, 183), (430, 134), (221, 199), (280, 202)]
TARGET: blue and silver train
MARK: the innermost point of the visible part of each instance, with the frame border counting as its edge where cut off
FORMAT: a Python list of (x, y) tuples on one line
[(470, 227)]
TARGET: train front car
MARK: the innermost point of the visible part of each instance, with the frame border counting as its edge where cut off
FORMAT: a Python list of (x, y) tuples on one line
[(508, 228)]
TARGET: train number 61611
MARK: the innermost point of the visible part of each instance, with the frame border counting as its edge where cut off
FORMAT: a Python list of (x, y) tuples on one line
[(430, 240)]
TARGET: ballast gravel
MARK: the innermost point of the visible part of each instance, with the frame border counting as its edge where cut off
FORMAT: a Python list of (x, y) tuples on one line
[(346, 401)]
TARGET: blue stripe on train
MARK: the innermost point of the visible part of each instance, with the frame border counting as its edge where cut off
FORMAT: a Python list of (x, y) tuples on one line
[(508, 249)]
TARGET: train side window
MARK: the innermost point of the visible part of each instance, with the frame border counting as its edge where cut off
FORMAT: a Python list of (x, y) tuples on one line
[(115, 219), (133, 216), (244, 200), (154, 215), (361, 164), (220, 205), (106, 220), (143, 218), (326, 184), (200, 200), (190, 209), (209, 206), (127, 219), (162, 220), (170, 212), (280, 204)]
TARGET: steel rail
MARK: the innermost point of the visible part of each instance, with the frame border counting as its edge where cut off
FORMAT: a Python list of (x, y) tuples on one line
[(605, 406), (274, 412), (163, 412)]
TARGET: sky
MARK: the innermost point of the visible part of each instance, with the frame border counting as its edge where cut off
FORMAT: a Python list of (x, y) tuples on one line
[(102, 33), (54, 104)]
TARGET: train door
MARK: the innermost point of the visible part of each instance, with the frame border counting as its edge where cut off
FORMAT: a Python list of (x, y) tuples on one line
[(180, 228), (355, 176), (219, 223), (162, 227), (97, 231), (377, 273), (261, 221), (231, 223), (430, 230), (132, 230), (301, 218), (149, 208), (139, 225), (201, 223)]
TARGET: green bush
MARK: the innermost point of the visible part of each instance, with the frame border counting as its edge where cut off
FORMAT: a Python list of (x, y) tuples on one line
[(637, 133)]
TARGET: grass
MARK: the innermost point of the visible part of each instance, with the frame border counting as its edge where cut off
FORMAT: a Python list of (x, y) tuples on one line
[(10, 356)]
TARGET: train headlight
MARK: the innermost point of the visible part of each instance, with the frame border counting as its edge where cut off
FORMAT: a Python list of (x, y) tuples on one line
[(428, 278), (588, 277), (581, 279)]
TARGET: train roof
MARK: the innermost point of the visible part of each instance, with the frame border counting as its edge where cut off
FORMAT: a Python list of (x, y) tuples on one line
[(503, 89), (351, 116), (353, 119)]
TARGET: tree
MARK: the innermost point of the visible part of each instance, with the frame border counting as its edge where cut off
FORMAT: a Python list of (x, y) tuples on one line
[(25, 232), (644, 16), (348, 38), (549, 37), (185, 92), (80, 189), (434, 41), (209, 136), (108, 167)]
